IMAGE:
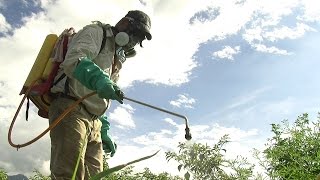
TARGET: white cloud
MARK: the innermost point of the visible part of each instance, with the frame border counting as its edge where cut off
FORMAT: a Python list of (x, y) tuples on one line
[(286, 32), (272, 13), (45, 168), (235, 134), (4, 25), (253, 34), (311, 11), (271, 50), (227, 52), (259, 34), (226, 23), (170, 121), (183, 101), (60, 15), (267, 27), (122, 116), (36, 154)]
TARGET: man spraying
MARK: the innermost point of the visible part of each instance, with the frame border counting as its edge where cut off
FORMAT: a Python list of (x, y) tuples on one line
[(93, 61)]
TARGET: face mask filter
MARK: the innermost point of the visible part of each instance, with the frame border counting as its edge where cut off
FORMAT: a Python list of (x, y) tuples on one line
[(122, 39)]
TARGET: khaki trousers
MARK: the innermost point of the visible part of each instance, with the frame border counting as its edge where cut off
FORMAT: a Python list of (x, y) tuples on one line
[(77, 130)]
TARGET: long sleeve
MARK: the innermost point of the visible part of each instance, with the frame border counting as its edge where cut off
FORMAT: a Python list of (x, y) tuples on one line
[(86, 43)]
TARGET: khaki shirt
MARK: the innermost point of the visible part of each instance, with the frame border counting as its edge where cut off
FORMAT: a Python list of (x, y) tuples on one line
[(87, 43)]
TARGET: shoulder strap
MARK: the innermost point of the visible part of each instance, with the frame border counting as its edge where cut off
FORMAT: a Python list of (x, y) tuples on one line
[(104, 39), (66, 86)]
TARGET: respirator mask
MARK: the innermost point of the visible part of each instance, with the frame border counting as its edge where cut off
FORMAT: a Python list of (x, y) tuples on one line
[(126, 45), (126, 42), (122, 55)]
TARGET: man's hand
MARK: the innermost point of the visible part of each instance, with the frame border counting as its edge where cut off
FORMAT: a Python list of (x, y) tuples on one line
[(118, 92), (109, 146), (108, 90), (94, 78)]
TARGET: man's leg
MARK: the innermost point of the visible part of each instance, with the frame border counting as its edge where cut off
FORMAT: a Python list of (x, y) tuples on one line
[(66, 141), (94, 154)]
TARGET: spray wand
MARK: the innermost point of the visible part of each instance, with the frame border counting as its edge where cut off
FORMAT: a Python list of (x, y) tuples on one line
[(187, 130)]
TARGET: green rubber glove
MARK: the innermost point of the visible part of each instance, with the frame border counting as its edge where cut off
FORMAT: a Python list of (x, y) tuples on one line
[(94, 78), (109, 146), (119, 93)]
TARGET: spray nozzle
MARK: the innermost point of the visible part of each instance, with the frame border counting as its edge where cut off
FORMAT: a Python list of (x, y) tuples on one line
[(188, 134)]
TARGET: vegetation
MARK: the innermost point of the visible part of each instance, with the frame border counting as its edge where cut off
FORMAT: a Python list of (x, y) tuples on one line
[(39, 176), (293, 152), (3, 174), (128, 174), (205, 162)]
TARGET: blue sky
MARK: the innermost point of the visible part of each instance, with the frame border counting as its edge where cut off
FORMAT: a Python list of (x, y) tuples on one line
[(231, 67), (14, 11)]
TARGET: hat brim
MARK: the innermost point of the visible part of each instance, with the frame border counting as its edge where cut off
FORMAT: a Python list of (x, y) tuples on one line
[(147, 33), (148, 36), (146, 30)]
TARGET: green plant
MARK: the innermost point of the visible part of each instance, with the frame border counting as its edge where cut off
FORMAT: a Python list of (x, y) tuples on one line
[(39, 176), (3, 174), (108, 171), (294, 151), (204, 162)]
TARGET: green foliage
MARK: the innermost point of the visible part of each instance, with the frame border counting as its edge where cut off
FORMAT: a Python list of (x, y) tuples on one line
[(3, 174), (127, 174), (205, 162), (107, 172), (39, 176), (293, 152), (121, 174), (147, 174)]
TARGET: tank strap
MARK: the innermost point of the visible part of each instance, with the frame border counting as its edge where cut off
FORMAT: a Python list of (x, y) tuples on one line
[(66, 85), (27, 109), (104, 39)]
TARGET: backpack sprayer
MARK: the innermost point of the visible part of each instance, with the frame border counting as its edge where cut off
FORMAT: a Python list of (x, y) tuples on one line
[(40, 79)]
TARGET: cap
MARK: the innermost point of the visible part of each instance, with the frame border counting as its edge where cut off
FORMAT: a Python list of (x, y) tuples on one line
[(143, 21)]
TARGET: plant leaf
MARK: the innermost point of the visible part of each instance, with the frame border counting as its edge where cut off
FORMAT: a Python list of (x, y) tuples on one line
[(187, 176), (117, 168)]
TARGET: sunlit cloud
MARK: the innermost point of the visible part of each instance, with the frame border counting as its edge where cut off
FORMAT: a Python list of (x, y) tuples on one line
[(183, 101), (122, 116), (270, 49), (286, 32), (4, 25), (171, 122), (227, 52)]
